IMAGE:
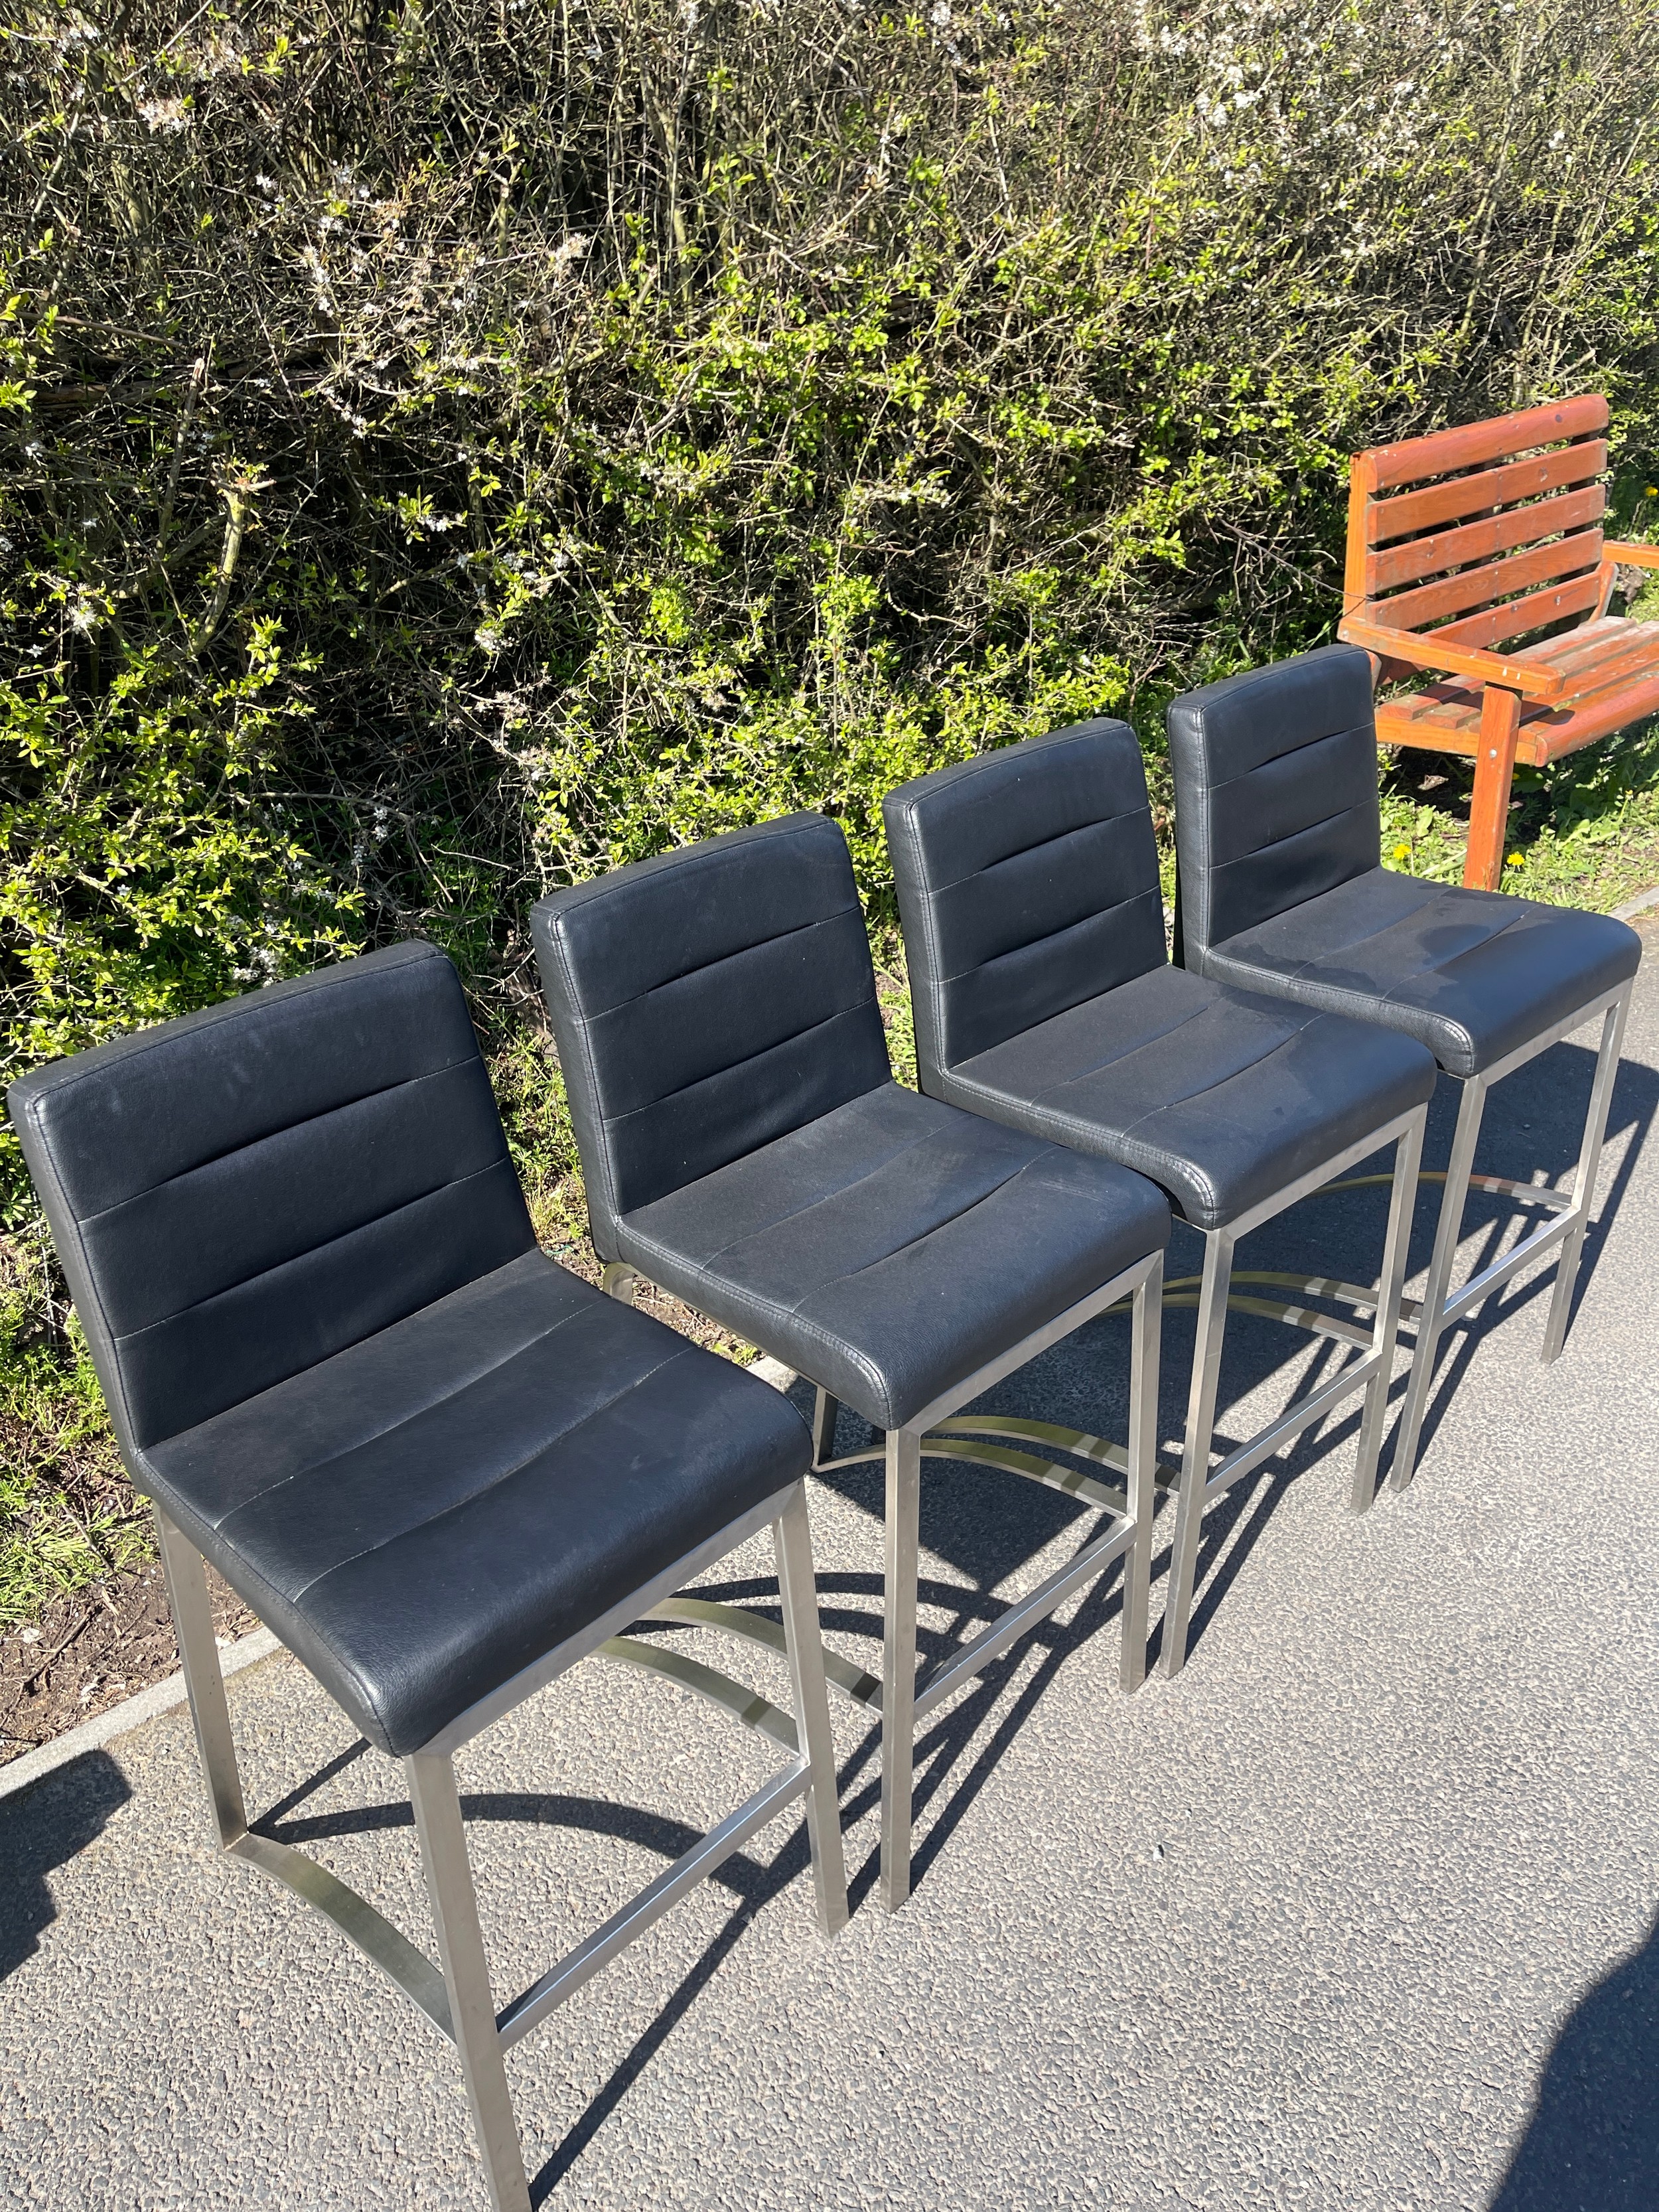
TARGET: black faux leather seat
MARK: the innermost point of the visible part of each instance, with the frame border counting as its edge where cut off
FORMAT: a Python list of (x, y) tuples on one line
[(421, 1517), (430, 1458), (1028, 888), (744, 1144), (1283, 891)]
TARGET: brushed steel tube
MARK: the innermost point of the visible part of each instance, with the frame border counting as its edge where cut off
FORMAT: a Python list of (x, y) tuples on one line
[(1583, 1187), (898, 1671), (466, 1975), (204, 1682), (1431, 1319), (798, 1590), (1195, 1455), (1402, 1205)]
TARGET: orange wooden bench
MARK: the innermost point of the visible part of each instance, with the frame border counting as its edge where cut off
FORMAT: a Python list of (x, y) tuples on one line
[(1466, 540)]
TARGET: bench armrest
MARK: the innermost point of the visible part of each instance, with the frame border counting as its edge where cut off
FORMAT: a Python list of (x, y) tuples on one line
[(1525, 676), (1630, 555)]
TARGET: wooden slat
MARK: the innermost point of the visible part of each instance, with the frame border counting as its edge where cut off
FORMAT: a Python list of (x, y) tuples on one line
[(1496, 580), (1479, 541), (1475, 495), (1516, 617), (1611, 657), (1475, 443)]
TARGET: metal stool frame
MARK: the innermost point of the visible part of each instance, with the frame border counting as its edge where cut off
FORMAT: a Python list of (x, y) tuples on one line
[(454, 1994), (934, 1434), (1373, 1371), (1570, 1209), (1440, 1307)]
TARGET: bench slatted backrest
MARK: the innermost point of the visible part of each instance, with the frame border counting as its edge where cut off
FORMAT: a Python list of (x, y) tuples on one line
[(1480, 535)]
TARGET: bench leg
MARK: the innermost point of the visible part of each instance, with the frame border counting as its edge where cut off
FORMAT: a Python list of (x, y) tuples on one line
[(1494, 771)]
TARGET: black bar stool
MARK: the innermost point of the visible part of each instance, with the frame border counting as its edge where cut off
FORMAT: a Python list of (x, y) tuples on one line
[(745, 1145), (441, 1467), (1028, 890), (1283, 891)]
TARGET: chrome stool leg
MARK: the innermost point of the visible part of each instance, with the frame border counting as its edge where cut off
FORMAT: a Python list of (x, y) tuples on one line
[(898, 1671), (1583, 1187), (1432, 1317), (1402, 1204), (1195, 1455), (798, 1592), (1145, 1344), (431, 1782)]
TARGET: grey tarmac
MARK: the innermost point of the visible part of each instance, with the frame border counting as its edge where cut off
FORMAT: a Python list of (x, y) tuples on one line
[(1358, 1912)]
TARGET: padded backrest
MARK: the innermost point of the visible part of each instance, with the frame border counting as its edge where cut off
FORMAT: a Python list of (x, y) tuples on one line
[(1027, 882), (706, 1002), (1275, 779), (1481, 534), (240, 1194)]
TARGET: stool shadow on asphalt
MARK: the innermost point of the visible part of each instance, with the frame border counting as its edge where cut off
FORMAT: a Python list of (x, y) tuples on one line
[(1592, 2144), (44, 1827)]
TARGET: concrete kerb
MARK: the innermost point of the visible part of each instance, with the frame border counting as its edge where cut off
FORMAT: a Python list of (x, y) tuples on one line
[(132, 1712)]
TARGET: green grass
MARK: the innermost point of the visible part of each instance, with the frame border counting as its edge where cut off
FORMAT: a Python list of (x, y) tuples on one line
[(1585, 833)]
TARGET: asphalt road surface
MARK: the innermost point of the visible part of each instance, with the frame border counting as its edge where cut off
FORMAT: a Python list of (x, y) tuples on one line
[(1358, 1912)]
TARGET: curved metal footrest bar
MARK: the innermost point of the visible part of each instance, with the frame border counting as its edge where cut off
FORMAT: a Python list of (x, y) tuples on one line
[(1539, 1193), (756, 1628), (1080, 1444), (736, 1699), (546, 1996), (373, 1935)]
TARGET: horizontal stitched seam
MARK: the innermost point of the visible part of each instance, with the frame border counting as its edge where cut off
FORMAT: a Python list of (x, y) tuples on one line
[(228, 1012), (1289, 837), (397, 1421), (1290, 753), (310, 1252), (270, 1136), (700, 1273), (617, 1120), (824, 1198), (460, 1504), (1021, 851), (1053, 937), (699, 967), (1113, 1060)]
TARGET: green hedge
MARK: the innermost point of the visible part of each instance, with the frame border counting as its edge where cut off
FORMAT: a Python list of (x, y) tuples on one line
[(452, 449)]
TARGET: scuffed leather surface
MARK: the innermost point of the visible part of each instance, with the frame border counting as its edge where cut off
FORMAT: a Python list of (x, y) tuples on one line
[(1473, 975), (1275, 790), (1315, 918), (706, 1002), (427, 1513), (424, 1453), (1029, 894), (242, 1193), (1223, 1097), (716, 1011), (1028, 882), (892, 1247)]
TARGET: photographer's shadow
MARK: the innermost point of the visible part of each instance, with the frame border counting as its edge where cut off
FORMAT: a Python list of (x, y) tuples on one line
[(1592, 2142), (44, 1827)]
